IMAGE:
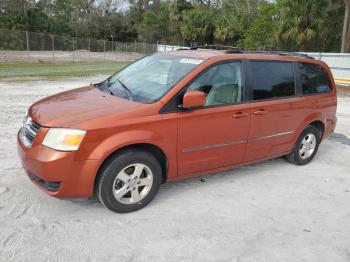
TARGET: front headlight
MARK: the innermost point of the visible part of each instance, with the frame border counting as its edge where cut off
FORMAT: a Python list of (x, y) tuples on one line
[(64, 139)]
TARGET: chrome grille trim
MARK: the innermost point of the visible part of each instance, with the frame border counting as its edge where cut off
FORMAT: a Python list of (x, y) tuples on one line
[(28, 132)]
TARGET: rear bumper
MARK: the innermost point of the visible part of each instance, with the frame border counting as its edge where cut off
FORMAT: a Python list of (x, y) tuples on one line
[(57, 173)]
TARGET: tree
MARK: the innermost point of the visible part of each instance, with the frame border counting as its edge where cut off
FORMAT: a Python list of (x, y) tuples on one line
[(345, 45), (261, 33), (246, 10), (329, 38), (155, 25), (300, 24), (197, 27), (228, 28), (308, 25), (176, 16)]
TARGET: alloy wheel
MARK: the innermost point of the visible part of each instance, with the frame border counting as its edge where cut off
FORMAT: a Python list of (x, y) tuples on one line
[(132, 183), (307, 146)]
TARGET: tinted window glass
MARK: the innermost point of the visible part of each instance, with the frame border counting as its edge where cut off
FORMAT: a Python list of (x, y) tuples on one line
[(222, 84), (314, 79), (272, 79)]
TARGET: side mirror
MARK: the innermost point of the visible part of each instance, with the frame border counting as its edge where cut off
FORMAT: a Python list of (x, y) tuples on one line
[(193, 99)]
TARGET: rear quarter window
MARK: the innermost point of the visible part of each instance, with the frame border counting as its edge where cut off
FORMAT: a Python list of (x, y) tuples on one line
[(314, 79)]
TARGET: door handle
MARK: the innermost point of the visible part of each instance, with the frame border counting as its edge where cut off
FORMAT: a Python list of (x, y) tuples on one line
[(239, 115), (260, 112)]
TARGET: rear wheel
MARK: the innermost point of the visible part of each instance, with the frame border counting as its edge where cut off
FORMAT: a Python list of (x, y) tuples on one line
[(306, 146), (129, 181)]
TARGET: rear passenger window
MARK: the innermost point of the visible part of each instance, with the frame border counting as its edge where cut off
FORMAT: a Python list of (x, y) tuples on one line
[(314, 79), (272, 79)]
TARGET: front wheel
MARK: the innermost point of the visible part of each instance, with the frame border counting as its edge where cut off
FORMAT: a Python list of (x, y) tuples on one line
[(306, 146), (128, 181)]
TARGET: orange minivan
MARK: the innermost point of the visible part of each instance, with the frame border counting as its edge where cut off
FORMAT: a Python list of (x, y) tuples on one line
[(175, 115)]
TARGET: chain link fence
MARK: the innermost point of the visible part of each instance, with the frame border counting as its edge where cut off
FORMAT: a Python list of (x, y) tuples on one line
[(31, 47)]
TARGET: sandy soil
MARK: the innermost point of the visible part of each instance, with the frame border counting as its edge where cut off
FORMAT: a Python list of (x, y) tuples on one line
[(271, 211), (65, 56)]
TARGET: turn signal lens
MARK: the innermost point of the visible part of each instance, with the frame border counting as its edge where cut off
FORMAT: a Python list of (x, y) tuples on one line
[(72, 140), (64, 139)]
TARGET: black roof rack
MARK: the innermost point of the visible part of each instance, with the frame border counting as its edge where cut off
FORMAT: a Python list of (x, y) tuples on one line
[(281, 53), (236, 50), (216, 47)]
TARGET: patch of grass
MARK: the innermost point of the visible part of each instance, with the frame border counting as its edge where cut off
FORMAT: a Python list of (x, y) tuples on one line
[(19, 70)]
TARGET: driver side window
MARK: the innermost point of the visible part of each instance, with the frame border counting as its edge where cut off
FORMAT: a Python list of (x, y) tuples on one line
[(222, 84)]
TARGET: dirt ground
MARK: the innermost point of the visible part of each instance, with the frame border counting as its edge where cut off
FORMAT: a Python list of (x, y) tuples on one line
[(270, 211), (65, 56)]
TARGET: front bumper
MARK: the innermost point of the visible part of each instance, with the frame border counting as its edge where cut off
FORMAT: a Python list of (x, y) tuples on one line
[(57, 173)]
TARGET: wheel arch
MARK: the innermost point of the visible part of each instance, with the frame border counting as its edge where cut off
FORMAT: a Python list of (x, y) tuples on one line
[(320, 126), (315, 120), (155, 150)]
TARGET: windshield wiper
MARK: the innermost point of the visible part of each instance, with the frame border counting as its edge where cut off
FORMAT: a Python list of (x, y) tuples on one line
[(104, 88), (126, 88)]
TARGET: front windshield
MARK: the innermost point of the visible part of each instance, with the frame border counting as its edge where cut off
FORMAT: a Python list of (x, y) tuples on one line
[(149, 78)]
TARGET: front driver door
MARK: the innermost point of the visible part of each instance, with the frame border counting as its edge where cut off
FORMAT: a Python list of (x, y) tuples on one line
[(214, 136)]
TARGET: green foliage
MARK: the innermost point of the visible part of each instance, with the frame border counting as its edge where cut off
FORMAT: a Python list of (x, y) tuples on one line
[(198, 25), (228, 28), (155, 24), (297, 25), (260, 34), (12, 20), (306, 24)]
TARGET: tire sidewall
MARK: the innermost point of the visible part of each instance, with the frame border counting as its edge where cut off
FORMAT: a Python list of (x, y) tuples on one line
[(111, 170), (306, 131)]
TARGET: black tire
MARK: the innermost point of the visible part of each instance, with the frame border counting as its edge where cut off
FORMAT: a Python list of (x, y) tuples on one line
[(294, 157), (110, 170)]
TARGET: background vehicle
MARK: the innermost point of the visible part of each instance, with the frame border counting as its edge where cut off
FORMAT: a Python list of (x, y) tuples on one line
[(173, 116)]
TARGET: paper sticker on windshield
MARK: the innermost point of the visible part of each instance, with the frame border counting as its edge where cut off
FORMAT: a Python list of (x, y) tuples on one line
[(191, 61)]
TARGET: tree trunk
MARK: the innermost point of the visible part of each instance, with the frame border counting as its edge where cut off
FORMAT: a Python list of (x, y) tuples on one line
[(24, 7), (347, 36), (345, 46)]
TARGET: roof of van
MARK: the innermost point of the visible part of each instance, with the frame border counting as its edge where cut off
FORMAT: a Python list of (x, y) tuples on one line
[(209, 53)]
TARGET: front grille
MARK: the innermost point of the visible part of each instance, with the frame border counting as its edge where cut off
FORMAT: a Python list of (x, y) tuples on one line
[(49, 186), (28, 132)]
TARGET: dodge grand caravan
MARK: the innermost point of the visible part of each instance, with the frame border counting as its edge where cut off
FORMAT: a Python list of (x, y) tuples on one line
[(175, 115)]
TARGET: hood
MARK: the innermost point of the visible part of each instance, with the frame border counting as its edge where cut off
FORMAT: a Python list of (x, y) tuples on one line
[(69, 108)]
